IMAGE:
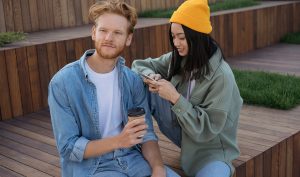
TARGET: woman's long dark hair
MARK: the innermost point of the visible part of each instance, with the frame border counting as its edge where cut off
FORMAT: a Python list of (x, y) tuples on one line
[(201, 48)]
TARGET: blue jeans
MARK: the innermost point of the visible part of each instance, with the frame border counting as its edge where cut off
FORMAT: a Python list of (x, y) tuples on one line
[(169, 126), (214, 169), (126, 163)]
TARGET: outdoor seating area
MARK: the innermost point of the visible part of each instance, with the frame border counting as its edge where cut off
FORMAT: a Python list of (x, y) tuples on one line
[(269, 139)]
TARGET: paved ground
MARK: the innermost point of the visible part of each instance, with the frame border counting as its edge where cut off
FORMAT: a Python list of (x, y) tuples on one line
[(280, 58)]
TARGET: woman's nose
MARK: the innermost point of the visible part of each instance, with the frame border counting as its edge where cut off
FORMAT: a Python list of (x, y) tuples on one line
[(176, 42)]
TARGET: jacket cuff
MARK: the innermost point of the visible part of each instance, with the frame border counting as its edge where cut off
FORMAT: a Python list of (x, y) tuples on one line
[(150, 136), (181, 106), (78, 150)]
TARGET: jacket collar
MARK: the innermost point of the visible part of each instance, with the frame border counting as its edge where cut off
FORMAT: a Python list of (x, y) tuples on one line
[(120, 62), (214, 63)]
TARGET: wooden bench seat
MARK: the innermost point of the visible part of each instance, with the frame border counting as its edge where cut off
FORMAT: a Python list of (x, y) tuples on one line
[(269, 141)]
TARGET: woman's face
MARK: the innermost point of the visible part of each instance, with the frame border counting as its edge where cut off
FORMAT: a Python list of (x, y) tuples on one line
[(179, 39)]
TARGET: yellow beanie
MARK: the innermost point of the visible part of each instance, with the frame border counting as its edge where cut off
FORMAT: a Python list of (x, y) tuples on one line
[(194, 14)]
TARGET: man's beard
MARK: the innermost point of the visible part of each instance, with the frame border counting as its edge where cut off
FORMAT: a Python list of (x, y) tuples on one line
[(106, 55)]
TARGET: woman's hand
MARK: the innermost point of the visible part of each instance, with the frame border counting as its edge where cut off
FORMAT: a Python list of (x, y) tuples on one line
[(165, 89)]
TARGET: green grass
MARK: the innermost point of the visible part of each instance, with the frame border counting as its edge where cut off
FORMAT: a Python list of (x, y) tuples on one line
[(9, 37), (291, 38), (268, 89), (227, 4)]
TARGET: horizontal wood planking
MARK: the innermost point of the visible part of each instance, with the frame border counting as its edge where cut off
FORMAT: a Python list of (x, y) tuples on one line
[(236, 32), (27, 142), (38, 15)]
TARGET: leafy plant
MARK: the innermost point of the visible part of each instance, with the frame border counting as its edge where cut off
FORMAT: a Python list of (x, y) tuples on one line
[(292, 38), (9, 37)]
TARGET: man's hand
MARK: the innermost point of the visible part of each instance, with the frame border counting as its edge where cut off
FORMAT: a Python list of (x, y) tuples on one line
[(132, 133)]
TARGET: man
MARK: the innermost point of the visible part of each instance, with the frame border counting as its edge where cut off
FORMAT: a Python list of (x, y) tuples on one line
[(89, 100)]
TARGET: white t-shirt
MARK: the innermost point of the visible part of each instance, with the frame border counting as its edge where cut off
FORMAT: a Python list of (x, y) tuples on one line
[(109, 101)]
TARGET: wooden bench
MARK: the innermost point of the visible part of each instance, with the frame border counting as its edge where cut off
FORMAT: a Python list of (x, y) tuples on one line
[(269, 141)]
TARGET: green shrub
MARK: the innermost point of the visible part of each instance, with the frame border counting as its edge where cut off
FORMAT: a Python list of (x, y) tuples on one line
[(268, 89), (292, 38), (9, 37), (225, 5)]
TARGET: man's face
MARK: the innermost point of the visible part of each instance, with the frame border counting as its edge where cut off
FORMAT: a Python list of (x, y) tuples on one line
[(110, 35)]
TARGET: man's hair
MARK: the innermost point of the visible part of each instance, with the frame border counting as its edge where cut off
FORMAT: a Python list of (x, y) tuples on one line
[(113, 6)]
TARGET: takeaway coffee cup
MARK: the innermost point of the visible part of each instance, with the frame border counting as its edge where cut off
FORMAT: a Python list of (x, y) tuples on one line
[(136, 113)]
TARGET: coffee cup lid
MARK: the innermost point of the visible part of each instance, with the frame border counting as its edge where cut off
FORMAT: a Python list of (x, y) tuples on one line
[(136, 112)]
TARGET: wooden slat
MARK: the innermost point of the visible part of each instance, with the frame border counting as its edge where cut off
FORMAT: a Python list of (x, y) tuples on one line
[(57, 13), (52, 59), (33, 8), (282, 158), (17, 12), (39, 165), (30, 127), (250, 168), (152, 42), (44, 75), (289, 157), (79, 49), (41, 9), (235, 41), (37, 121), (32, 152), (258, 169), (84, 11), (2, 18), (8, 15), (28, 141), (35, 84), (28, 133), (146, 41), (61, 54), (5, 105), (64, 13), (24, 80), (26, 16), (78, 12), (228, 32), (135, 45), (8, 173), (13, 81), (49, 14), (70, 51), (20, 167), (296, 155), (275, 161), (267, 160), (71, 13)]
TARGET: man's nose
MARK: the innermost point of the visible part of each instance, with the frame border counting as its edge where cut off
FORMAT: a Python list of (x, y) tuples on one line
[(109, 36)]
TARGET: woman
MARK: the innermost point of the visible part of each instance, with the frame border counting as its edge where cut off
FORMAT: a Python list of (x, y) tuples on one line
[(194, 96)]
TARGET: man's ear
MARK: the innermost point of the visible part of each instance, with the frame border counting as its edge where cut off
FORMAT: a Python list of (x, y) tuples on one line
[(129, 39), (94, 32)]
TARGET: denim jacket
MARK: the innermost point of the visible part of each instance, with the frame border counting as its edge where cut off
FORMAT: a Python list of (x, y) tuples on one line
[(74, 112)]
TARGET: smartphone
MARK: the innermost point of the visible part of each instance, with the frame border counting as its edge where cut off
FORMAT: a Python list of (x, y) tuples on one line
[(147, 77)]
